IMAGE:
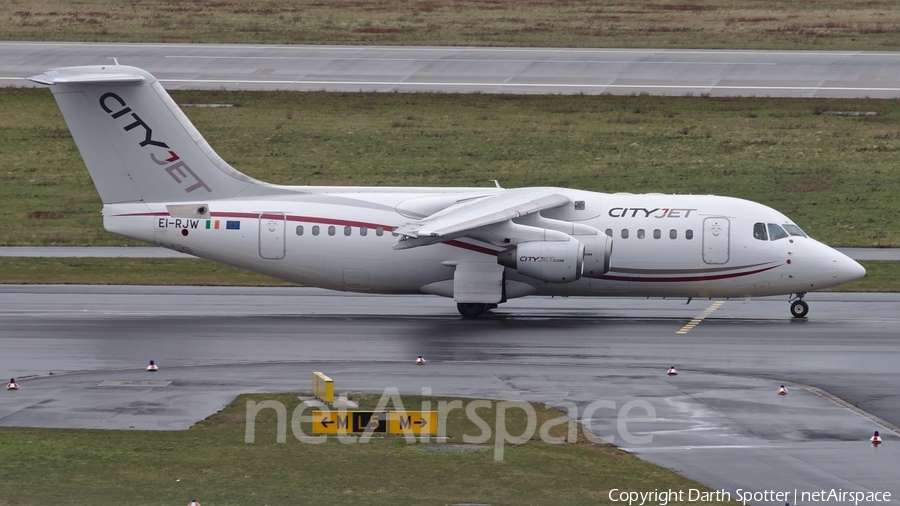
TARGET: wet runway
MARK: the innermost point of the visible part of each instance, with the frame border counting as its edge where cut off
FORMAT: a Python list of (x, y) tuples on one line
[(718, 421)]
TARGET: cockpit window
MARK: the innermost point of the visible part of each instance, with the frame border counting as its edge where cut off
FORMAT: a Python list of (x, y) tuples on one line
[(759, 232), (794, 230), (776, 232)]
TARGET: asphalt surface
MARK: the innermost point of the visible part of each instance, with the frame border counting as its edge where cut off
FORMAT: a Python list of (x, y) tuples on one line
[(718, 421), (471, 69)]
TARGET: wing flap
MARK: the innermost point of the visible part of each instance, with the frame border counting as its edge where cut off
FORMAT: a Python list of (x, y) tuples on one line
[(465, 216)]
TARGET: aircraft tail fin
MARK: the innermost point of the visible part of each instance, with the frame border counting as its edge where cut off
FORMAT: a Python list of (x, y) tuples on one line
[(137, 144)]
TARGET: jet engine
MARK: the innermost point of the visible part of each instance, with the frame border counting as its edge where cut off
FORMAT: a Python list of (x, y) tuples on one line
[(550, 261)]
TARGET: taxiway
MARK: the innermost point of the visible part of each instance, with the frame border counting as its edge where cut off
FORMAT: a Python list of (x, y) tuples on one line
[(719, 421)]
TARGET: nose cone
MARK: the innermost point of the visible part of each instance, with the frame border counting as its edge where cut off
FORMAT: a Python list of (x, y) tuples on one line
[(849, 269)]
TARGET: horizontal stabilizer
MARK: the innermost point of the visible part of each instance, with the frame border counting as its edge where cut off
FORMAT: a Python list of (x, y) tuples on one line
[(73, 76)]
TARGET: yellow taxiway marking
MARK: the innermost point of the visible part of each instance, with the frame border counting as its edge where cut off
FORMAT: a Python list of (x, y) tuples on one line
[(696, 321)]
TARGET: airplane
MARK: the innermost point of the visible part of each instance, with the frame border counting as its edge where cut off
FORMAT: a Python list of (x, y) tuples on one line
[(160, 182)]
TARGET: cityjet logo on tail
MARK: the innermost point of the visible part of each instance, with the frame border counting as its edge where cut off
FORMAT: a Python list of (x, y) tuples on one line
[(643, 212), (174, 165)]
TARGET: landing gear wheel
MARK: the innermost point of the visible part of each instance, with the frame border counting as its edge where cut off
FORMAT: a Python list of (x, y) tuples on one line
[(799, 308), (471, 310)]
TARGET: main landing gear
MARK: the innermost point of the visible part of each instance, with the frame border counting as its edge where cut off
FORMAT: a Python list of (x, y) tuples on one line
[(799, 307), (473, 310)]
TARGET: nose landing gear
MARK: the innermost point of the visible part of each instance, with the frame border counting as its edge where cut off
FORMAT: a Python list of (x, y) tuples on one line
[(799, 307)]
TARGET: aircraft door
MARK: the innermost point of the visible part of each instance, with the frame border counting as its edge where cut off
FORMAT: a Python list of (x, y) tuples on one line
[(716, 244), (271, 235)]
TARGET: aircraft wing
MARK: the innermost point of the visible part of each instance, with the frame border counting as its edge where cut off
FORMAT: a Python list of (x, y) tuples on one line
[(465, 217)]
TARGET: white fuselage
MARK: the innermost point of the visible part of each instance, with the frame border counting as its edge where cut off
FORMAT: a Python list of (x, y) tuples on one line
[(341, 239)]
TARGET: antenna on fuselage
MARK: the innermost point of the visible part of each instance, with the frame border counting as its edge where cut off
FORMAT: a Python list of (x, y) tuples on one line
[(497, 184)]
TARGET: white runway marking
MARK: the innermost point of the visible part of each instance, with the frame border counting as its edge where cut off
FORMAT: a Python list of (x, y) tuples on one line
[(529, 85)]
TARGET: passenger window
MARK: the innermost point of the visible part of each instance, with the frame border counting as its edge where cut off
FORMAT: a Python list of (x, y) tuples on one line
[(776, 232), (331, 230), (673, 234), (794, 230), (299, 229), (688, 234), (363, 231), (609, 232), (624, 233), (640, 233), (759, 232), (315, 230), (657, 234), (379, 231), (348, 231)]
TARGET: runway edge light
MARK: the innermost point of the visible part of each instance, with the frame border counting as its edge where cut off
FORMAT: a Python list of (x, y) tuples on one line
[(876, 439), (672, 371), (12, 385), (194, 503), (782, 390), (152, 367), (420, 360)]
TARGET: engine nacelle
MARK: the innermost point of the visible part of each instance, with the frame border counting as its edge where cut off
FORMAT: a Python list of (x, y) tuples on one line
[(550, 261), (597, 252)]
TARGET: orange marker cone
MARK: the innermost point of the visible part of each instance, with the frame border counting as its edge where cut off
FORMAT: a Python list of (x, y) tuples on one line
[(876, 439), (152, 367), (782, 390), (420, 360), (12, 385), (672, 371)]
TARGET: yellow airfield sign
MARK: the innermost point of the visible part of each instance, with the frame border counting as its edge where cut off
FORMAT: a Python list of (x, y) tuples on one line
[(326, 422), (413, 422), (377, 422)]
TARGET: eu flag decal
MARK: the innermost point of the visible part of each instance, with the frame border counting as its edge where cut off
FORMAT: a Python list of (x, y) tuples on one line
[(232, 225)]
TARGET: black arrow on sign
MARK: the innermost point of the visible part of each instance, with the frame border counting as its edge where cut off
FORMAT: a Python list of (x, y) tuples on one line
[(326, 421), (421, 422)]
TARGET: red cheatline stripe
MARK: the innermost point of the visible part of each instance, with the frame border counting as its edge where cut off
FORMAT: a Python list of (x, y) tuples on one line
[(325, 221), (682, 279), (279, 216)]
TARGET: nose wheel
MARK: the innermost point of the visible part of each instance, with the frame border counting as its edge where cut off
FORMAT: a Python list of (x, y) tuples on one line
[(799, 307)]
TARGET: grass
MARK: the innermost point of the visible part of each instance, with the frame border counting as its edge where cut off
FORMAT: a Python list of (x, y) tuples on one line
[(211, 462), (836, 176), (881, 276), (749, 24)]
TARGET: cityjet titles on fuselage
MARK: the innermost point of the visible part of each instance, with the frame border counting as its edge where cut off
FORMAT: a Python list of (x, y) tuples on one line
[(656, 212)]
